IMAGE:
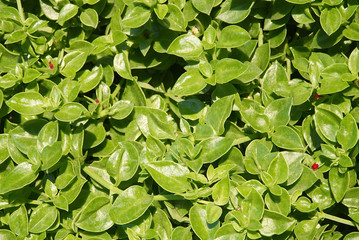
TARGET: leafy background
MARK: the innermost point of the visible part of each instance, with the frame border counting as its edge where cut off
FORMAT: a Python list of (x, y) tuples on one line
[(146, 119)]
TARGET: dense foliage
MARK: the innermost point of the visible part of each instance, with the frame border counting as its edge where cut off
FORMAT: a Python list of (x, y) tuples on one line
[(175, 119)]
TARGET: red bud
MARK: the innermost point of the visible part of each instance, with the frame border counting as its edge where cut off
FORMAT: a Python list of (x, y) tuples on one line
[(317, 96), (97, 101), (315, 166), (51, 65)]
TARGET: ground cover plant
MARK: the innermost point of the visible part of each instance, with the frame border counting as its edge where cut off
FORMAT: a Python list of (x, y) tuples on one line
[(175, 119)]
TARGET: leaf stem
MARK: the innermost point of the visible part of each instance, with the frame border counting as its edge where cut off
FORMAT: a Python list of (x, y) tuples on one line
[(167, 197), (101, 181), (21, 10), (336, 219)]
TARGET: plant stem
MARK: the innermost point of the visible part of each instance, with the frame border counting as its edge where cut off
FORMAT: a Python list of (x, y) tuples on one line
[(21, 10), (101, 181), (336, 219), (167, 197)]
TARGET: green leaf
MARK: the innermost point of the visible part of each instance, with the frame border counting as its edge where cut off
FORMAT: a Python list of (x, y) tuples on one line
[(181, 233), (213, 213), (7, 235), (122, 65), (278, 112), (123, 163), (94, 134), (189, 83), (353, 62), (18, 222), (95, 216), (327, 123), (203, 6), (278, 169), (220, 192), (4, 152), (233, 36), (174, 19), (66, 13), (27, 103), (228, 69), (287, 138), (280, 204), (130, 205), (198, 220), (330, 20), (169, 175), (218, 113), (306, 229), (338, 183), (22, 175), (136, 17), (347, 135), (42, 218), (214, 148), (70, 112), (254, 116), (234, 12), (186, 46), (72, 63), (90, 79), (89, 17), (48, 135), (275, 223), (352, 31), (50, 155), (351, 198)]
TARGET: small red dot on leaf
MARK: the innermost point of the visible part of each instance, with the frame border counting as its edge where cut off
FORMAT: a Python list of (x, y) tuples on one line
[(239, 208), (317, 96), (315, 166), (51, 65), (97, 101)]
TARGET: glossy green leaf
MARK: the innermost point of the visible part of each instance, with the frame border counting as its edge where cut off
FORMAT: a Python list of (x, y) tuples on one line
[(233, 36), (123, 163), (27, 103), (186, 46), (233, 11), (338, 183), (130, 205), (42, 218), (218, 113), (7, 235), (89, 17), (278, 112), (228, 69), (67, 12), (275, 223), (95, 216), (198, 219), (214, 148), (22, 175), (330, 20), (189, 83), (18, 221), (287, 138), (136, 17), (122, 65), (181, 233), (203, 6), (169, 175), (69, 112), (327, 123), (348, 132)]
